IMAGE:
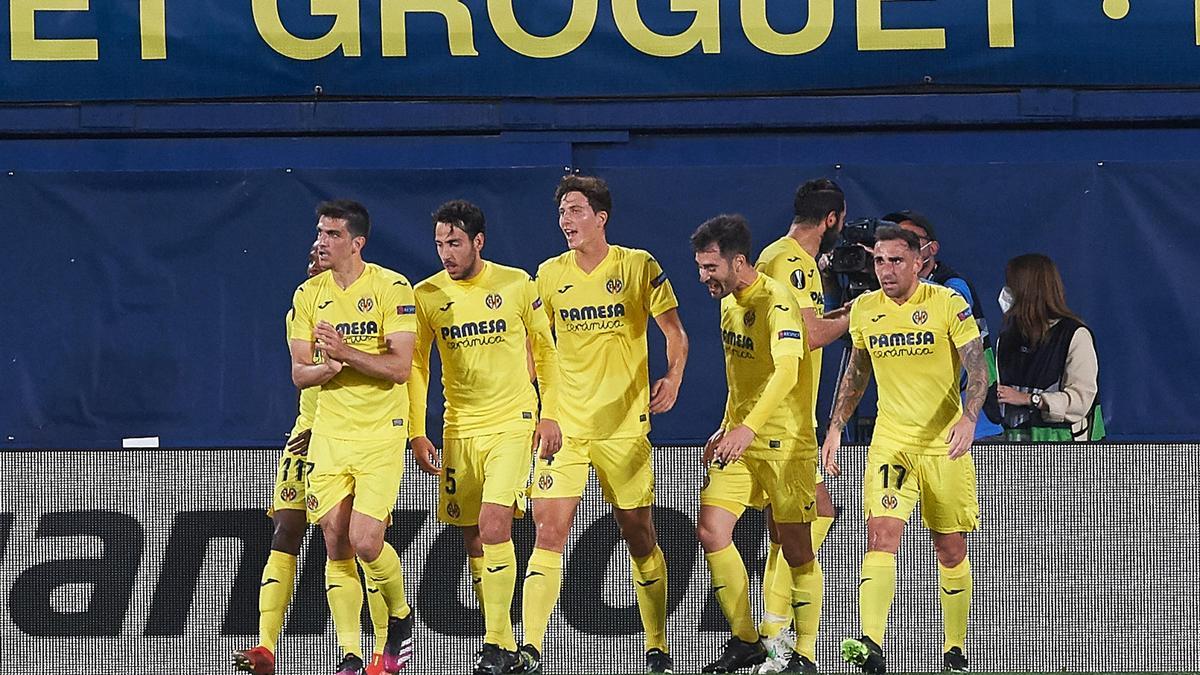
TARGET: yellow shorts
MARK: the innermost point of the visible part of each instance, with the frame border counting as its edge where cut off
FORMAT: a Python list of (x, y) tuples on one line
[(785, 482), (624, 467), (370, 471), (289, 483), (493, 468), (897, 478)]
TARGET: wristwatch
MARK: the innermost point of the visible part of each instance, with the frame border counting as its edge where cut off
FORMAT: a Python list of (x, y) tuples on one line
[(1035, 400)]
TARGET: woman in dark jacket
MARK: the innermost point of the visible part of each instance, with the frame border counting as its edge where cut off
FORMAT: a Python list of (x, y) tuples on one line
[(1046, 359)]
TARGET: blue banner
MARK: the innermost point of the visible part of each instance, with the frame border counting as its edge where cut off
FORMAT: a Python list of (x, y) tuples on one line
[(76, 50), (151, 304)]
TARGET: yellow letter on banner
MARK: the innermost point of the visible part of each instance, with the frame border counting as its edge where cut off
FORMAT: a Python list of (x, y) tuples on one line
[(154, 29), (25, 45), (344, 34), (872, 36), (458, 25), (762, 35), (577, 30), (1000, 24), (705, 29)]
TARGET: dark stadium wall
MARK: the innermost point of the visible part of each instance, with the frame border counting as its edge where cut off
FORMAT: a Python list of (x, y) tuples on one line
[(150, 275)]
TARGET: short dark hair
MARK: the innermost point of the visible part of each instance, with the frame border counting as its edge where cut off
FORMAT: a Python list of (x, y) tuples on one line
[(731, 234), (917, 219), (591, 187), (816, 199), (462, 214), (358, 221), (897, 233)]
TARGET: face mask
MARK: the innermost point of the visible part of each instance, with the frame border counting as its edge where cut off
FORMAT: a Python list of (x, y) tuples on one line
[(1006, 299), (921, 252)]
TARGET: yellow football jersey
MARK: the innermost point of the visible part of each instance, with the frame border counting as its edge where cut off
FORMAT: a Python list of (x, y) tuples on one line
[(599, 321), (759, 325), (786, 262), (353, 406), (480, 326), (914, 353)]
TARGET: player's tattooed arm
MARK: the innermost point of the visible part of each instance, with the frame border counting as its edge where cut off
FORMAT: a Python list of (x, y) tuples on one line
[(971, 355), (851, 389)]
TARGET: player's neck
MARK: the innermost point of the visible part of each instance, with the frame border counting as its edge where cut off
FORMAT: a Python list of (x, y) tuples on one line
[(808, 237), (348, 272), (907, 296), (589, 256), (473, 275), (745, 279)]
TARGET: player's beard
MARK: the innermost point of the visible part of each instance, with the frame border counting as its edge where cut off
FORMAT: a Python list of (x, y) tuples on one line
[(828, 240)]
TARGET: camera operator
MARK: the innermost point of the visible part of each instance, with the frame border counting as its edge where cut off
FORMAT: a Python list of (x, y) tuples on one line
[(942, 274)]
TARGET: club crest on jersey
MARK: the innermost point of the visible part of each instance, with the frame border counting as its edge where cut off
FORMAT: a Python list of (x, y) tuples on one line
[(749, 317), (452, 509), (312, 503), (920, 316), (493, 301), (889, 502), (545, 481), (366, 304), (288, 494), (798, 279), (614, 285)]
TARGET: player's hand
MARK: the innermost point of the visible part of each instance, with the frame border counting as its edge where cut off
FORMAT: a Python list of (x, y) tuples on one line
[(1012, 395), (663, 394), (427, 456), (732, 444), (829, 450), (298, 444), (548, 436), (330, 342), (709, 445), (962, 434)]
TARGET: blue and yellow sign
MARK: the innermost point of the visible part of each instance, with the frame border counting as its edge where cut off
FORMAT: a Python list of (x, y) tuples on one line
[(79, 50)]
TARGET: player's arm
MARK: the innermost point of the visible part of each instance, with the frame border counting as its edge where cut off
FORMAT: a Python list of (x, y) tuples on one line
[(823, 331), (664, 391), (850, 391), (418, 399), (963, 332), (305, 373), (962, 434), (548, 435), (393, 365), (735, 441)]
